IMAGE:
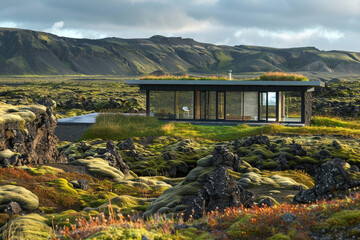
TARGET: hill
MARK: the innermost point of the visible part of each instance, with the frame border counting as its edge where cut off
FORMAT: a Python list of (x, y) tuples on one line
[(31, 52)]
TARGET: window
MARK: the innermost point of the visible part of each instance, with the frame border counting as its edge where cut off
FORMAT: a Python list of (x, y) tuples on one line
[(233, 105), (162, 104), (290, 106), (250, 106), (184, 101)]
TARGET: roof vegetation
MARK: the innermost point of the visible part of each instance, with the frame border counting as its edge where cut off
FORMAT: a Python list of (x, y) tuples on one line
[(180, 77), (269, 76), (282, 76)]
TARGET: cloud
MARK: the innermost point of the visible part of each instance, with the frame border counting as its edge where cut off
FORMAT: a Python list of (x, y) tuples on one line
[(58, 29), (285, 38), (326, 24)]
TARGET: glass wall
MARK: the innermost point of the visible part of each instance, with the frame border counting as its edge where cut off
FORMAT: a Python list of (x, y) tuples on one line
[(221, 105), (184, 104), (211, 105), (162, 104), (234, 105), (230, 105), (271, 106), (290, 106), (250, 106)]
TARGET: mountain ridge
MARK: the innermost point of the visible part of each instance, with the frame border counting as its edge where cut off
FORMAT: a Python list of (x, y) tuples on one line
[(41, 53)]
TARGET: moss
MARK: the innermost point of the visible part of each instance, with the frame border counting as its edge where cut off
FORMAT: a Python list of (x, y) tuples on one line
[(193, 233), (42, 170), (236, 229), (127, 204), (279, 236), (26, 199), (100, 168), (31, 226), (344, 218), (64, 186)]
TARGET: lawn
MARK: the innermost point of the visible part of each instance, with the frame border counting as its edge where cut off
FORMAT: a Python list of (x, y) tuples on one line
[(117, 127)]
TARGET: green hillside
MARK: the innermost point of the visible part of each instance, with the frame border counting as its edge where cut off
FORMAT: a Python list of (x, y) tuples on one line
[(31, 52)]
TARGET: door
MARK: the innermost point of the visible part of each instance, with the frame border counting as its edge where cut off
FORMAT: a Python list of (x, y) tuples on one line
[(268, 106)]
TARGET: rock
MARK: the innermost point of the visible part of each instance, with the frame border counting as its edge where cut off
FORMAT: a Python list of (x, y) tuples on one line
[(10, 193), (288, 217), (143, 237), (336, 144), (128, 144), (168, 156), (47, 102), (98, 167), (265, 202), (297, 149), (323, 154), (222, 157), (185, 145), (330, 179), (219, 192), (29, 132), (113, 157), (80, 184), (208, 187), (84, 147), (354, 169), (262, 140), (13, 208)]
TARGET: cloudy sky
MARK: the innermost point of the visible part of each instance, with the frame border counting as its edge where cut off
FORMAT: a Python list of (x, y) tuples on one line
[(325, 24)]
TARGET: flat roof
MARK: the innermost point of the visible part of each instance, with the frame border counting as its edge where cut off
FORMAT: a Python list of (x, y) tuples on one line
[(227, 83)]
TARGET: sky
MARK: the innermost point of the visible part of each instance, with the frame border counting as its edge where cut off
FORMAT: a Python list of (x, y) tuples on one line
[(325, 24)]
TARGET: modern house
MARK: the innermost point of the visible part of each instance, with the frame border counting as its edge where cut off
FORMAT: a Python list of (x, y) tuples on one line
[(221, 100)]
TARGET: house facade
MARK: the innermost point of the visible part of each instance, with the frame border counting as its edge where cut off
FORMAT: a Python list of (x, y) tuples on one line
[(221, 100)]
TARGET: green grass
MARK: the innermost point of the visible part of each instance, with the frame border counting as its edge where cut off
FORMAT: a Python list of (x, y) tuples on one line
[(281, 76), (334, 122), (116, 127)]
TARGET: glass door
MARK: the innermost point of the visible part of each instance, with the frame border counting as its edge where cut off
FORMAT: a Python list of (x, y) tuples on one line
[(267, 106)]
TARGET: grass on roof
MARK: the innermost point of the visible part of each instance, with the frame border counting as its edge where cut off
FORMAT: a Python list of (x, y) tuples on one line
[(282, 76), (181, 77)]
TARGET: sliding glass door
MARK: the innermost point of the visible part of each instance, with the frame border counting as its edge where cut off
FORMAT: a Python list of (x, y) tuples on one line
[(267, 106)]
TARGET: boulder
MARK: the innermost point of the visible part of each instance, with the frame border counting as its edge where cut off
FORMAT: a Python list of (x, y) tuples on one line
[(26, 199), (13, 208), (331, 179), (262, 140), (128, 144), (207, 187)]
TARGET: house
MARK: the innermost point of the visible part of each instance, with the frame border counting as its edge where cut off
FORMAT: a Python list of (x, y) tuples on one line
[(223, 100)]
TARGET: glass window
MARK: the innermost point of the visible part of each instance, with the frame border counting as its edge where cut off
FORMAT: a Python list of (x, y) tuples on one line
[(290, 106), (211, 105), (221, 105), (184, 101), (233, 105), (250, 106), (162, 104), (271, 106)]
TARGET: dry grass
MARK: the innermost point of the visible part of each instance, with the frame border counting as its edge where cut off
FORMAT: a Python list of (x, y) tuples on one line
[(282, 76), (181, 77)]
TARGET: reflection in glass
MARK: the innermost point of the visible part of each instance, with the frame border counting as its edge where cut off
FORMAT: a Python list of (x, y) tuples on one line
[(221, 105), (184, 101), (162, 104), (233, 105), (290, 106), (250, 106)]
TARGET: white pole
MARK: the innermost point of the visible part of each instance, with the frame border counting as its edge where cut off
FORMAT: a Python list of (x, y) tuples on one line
[(230, 74)]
